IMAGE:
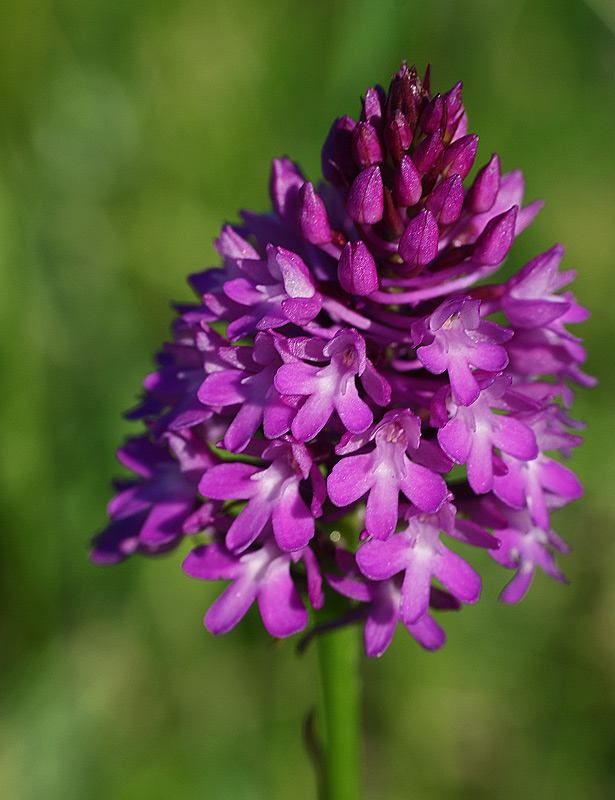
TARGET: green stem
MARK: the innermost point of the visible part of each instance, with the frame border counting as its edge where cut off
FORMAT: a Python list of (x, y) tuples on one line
[(340, 717)]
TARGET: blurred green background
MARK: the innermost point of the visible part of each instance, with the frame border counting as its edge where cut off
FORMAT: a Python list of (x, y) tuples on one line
[(129, 133)]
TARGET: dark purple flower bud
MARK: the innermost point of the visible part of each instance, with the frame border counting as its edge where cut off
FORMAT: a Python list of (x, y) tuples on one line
[(432, 115), (419, 242), (407, 186), (356, 270), (372, 108), (446, 200), (407, 94), (398, 135), (336, 158), (365, 203), (312, 216), (366, 146), (481, 195), (285, 182), (427, 153), (496, 240), (452, 99), (393, 217), (459, 156)]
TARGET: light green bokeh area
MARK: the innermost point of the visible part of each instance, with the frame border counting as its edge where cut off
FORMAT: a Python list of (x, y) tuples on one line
[(129, 133)]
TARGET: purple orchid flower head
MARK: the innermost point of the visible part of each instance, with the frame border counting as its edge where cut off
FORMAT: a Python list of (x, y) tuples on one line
[(352, 349)]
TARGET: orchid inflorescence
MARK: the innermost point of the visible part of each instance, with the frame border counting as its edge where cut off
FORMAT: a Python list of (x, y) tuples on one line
[(341, 402)]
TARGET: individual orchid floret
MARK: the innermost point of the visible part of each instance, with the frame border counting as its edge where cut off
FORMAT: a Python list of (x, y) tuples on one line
[(524, 546), (278, 291), (250, 386), (150, 516), (272, 494), (529, 299), (385, 472), (542, 483), (172, 391), (384, 609), (474, 430), (333, 387), (263, 574), (457, 339), (419, 553)]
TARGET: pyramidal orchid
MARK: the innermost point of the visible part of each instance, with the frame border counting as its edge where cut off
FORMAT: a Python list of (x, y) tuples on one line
[(356, 395), (354, 347), (343, 359)]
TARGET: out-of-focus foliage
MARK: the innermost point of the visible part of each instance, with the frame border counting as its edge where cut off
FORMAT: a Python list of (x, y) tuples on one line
[(129, 132)]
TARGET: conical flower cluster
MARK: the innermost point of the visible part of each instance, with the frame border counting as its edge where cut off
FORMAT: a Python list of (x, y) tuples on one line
[(341, 402)]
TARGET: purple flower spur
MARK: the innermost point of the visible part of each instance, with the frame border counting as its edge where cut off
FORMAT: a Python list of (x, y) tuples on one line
[(355, 389)]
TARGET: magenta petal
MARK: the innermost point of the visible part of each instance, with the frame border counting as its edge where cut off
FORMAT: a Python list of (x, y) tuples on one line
[(243, 427), (314, 578), (349, 587), (515, 590), (212, 562), (463, 383), (559, 479), (416, 586), (480, 465), (350, 478), (164, 523), (515, 438), (248, 525), (382, 511), (379, 560), (455, 438), (424, 488), (300, 310), (354, 412), (312, 416), (281, 608), (407, 183), (312, 216), (222, 388), (380, 626), (428, 633), (296, 378), (293, 524), (229, 481), (458, 577), (231, 606)]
